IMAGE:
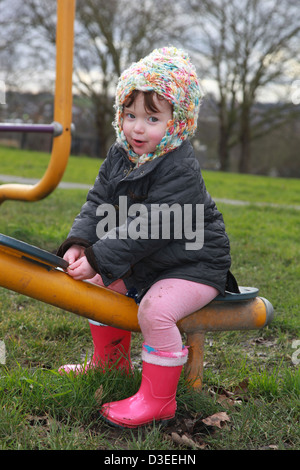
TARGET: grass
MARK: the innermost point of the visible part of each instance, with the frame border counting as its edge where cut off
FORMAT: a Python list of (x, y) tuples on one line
[(252, 376), (31, 164), (255, 189)]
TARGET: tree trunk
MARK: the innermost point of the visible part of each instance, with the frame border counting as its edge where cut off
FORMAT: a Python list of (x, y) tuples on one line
[(104, 117), (224, 154), (245, 141), (102, 136)]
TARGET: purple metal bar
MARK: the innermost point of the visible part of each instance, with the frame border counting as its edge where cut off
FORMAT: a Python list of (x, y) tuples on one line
[(55, 128)]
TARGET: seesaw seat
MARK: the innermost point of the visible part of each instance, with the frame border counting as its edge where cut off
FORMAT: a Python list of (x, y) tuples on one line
[(32, 252)]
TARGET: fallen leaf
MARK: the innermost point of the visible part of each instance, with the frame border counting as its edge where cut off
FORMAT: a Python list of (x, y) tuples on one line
[(226, 402), (217, 419), (265, 342), (242, 389), (271, 446), (98, 395), (186, 441), (176, 438), (189, 424), (224, 397), (38, 420)]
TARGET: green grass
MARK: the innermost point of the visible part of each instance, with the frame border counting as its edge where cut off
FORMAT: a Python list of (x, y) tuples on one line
[(39, 409), (251, 188), (33, 164), (222, 185)]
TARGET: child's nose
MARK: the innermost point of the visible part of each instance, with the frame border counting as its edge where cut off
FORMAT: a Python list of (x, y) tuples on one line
[(139, 126)]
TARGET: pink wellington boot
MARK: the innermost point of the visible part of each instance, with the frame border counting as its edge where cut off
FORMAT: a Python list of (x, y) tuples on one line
[(156, 398), (111, 349)]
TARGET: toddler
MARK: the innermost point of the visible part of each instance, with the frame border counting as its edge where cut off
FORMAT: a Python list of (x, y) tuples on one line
[(150, 172)]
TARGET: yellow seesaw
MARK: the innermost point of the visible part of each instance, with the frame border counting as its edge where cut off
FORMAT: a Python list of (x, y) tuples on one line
[(39, 274)]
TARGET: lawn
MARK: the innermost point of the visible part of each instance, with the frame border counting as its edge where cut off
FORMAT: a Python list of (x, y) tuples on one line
[(251, 377)]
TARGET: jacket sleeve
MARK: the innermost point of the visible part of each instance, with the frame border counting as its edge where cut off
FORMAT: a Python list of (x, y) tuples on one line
[(120, 250)]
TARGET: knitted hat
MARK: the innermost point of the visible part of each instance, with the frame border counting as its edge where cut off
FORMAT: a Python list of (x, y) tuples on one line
[(170, 73)]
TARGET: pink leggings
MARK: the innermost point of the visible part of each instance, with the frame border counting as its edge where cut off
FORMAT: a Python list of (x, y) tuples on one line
[(165, 303)]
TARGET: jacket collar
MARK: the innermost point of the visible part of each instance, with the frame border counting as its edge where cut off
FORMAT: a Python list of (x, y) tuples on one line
[(148, 167)]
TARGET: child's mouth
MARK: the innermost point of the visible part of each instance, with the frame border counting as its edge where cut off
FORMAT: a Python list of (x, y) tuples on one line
[(138, 142)]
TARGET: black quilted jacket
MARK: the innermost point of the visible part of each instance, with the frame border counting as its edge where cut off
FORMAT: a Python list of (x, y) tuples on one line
[(171, 179)]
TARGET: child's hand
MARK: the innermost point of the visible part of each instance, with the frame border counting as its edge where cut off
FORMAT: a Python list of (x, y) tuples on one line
[(74, 253), (81, 269)]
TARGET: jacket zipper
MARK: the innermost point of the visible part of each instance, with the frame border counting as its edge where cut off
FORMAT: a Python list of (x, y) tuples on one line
[(128, 172)]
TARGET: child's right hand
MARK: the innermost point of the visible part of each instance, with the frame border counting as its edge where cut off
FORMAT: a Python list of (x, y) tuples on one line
[(79, 267), (74, 253)]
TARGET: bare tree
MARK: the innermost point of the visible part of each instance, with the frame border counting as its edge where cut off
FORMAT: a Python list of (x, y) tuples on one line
[(108, 36), (244, 46), (12, 33)]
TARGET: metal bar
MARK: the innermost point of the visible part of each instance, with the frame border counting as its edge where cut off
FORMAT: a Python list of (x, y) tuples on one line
[(55, 128)]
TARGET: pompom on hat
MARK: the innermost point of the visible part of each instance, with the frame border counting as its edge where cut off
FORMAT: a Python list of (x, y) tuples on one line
[(168, 72)]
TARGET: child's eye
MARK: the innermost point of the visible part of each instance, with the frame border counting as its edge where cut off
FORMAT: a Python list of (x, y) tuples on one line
[(130, 115), (153, 119)]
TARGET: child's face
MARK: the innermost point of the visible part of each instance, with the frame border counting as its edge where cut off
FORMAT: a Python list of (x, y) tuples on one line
[(144, 129)]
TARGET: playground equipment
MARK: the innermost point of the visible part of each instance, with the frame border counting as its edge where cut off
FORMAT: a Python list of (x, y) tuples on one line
[(61, 127), (38, 274)]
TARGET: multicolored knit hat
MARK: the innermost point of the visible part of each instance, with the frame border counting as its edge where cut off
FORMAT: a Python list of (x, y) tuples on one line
[(170, 73)]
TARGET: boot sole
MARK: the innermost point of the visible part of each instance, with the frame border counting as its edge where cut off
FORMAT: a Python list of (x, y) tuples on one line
[(162, 422)]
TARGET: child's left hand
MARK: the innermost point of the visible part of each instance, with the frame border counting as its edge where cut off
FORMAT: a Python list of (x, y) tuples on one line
[(81, 269)]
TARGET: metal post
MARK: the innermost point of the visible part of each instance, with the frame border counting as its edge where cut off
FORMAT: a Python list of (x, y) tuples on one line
[(193, 370), (62, 112)]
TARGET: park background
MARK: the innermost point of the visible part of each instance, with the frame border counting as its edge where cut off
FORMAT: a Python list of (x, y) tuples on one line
[(247, 57), (246, 54)]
